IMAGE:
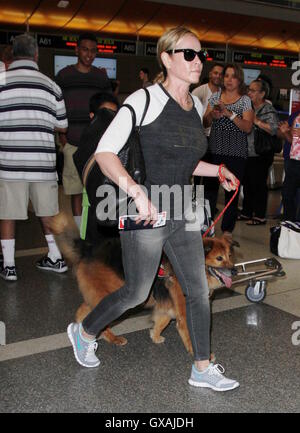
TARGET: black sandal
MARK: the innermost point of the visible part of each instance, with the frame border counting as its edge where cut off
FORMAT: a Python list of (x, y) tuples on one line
[(256, 222), (242, 217)]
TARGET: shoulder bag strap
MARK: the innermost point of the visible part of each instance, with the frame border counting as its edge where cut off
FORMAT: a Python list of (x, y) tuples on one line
[(144, 112), (145, 109), (260, 113)]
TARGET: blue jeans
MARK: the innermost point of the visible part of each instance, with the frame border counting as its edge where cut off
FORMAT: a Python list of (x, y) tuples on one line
[(142, 251)]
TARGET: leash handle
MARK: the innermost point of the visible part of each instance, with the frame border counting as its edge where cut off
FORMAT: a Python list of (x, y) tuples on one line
[(222, 212)]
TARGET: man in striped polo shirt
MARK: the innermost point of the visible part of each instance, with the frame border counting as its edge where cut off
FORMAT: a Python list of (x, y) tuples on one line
[(31, 110)]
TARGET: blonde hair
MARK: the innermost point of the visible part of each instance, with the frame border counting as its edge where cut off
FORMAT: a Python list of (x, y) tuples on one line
[(159, 78), (168, 41)]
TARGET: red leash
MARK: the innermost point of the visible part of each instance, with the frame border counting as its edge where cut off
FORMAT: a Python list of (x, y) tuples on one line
[(221, 213)]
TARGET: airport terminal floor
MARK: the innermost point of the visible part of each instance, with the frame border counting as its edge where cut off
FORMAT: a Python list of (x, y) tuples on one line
[(257, 343)]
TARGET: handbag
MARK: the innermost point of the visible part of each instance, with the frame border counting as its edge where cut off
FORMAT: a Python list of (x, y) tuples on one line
[(114, 202), (265, 143), (285, 240)]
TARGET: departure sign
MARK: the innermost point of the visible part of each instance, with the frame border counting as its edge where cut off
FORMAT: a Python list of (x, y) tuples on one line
[(106, 46), (150, 49), (259, 59), (216, 55)]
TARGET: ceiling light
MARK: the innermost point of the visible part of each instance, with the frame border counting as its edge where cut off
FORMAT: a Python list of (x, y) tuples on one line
[(63, 3)]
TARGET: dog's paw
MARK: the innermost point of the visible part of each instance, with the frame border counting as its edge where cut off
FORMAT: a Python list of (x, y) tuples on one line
[(212, 357), (120, 341), (190, 349), (156, 340)]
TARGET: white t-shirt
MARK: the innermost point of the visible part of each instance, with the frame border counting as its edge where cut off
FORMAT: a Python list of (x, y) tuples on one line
[(203, 93)]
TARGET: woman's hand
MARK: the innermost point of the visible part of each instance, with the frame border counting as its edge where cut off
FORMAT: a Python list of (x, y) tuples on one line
[(284, 127), (231, 182), (256, 121), (218, 110), (146, 210), (223, 109), (216, 114), (285, 131)]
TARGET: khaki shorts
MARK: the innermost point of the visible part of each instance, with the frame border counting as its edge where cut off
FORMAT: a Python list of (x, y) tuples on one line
[(14, 199), (71, 180)]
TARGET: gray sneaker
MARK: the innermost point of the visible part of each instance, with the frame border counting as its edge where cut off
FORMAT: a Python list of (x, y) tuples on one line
[(84, 351), (213, 377), (46, 264)]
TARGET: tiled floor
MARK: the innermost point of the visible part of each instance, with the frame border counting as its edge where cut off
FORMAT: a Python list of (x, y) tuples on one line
[(257, 343)]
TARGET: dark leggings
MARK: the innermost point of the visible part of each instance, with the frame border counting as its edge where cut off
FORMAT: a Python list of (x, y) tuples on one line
[(255, 186), (141, 251)]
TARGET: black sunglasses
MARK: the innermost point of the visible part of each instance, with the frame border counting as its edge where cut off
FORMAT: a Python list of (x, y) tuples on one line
[(189, 54)]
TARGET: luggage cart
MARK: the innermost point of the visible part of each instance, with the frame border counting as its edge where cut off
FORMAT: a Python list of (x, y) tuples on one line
[(256, 289)]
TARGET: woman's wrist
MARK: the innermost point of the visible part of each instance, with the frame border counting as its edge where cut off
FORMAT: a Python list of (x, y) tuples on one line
[(134, 191), (231, 115), (220, 174)]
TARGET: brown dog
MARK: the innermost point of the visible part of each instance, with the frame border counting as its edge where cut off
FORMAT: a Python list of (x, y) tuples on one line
[(170, 301), (99, 271)]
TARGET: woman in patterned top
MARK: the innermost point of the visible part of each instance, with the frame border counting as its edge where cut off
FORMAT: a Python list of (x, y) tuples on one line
[(230, 115)]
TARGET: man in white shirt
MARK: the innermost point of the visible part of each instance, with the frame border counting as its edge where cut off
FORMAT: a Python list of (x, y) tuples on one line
[(205, 91)]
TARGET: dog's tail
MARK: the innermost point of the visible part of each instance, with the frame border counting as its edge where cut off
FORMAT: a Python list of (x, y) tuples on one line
[(67, 237)]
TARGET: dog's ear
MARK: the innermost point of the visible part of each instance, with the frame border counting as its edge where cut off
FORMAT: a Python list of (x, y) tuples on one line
[(207, 245), (168, 268)]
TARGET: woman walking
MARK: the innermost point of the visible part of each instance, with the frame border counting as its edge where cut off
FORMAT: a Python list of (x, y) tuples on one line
[(173, 142)]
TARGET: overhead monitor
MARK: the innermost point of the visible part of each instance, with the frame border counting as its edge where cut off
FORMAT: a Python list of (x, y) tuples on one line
[(110, 65), (250, 75)]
